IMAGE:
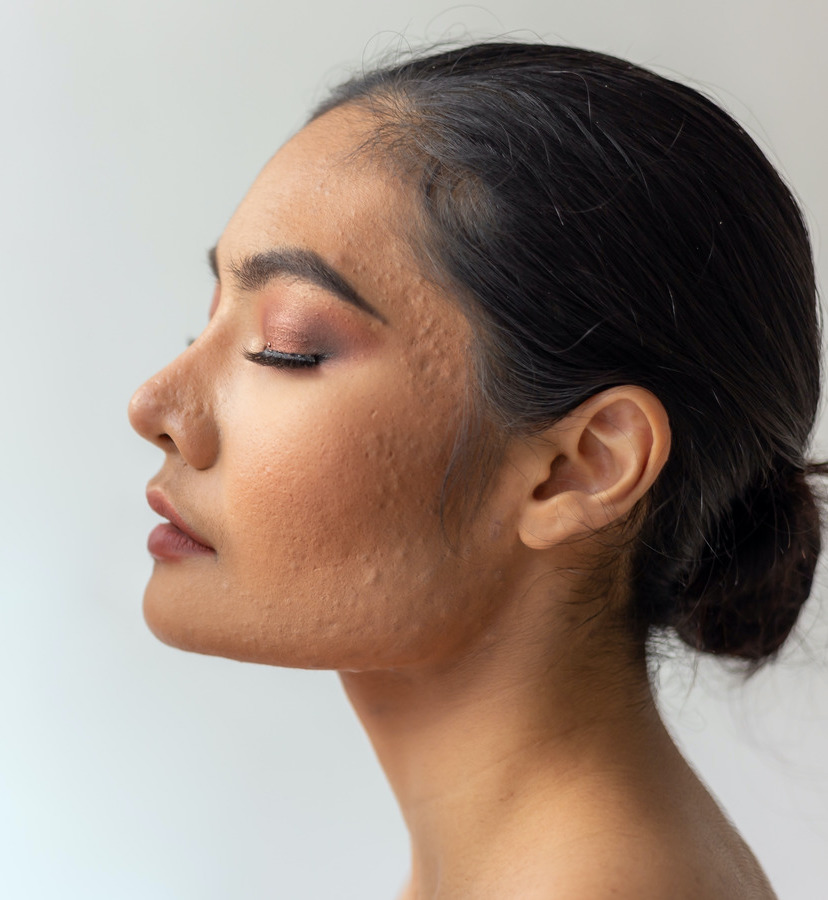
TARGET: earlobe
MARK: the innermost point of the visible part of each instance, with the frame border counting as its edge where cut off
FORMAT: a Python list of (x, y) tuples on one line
[(594, 466)]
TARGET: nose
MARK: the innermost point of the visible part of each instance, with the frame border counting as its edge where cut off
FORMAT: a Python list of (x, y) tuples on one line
[(175, 410)]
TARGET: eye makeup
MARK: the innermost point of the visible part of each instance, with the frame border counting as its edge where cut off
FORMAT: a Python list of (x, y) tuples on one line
[(301, 326), (268, 356)]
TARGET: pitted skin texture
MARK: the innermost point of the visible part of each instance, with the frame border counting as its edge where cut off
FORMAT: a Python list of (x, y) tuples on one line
[(319, 488)]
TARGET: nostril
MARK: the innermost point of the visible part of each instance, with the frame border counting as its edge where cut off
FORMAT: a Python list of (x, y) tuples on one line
[(146, 416), (173, 412)]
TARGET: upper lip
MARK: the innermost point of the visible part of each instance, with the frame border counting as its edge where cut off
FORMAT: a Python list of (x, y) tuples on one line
[(160, 504)]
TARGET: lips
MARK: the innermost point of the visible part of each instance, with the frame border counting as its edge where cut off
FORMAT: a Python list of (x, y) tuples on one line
[(173, 539)]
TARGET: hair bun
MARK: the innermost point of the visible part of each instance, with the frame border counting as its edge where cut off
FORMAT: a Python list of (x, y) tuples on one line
[(745, 596)]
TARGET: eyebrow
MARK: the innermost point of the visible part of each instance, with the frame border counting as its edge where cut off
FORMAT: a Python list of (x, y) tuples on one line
[(252, 273)]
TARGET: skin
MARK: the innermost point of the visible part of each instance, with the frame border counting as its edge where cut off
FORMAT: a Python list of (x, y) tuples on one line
[(505, 699)]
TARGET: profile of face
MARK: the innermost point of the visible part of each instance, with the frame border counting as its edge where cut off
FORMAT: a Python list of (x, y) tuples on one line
[(307, 431)]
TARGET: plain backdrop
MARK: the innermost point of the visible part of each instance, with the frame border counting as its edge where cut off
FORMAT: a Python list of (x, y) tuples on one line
[(129, 133)]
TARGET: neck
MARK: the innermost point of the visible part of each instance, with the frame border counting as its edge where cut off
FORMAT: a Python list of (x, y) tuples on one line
[(482, 747)]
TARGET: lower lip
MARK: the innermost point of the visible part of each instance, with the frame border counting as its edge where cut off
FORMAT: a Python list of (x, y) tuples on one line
[(168, 542)]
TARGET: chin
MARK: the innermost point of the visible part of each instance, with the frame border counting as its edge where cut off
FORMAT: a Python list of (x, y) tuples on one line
[(222, 626), (173, 623), (216, 627)]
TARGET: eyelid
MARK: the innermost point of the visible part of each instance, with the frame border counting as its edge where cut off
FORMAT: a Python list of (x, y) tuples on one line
[(280, 359)]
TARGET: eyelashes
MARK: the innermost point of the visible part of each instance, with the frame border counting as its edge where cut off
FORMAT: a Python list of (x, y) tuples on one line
[(280, 359), (267, 356)]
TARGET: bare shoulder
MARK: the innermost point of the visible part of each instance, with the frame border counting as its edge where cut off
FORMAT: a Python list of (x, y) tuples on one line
[(661, 838), (645, 865)]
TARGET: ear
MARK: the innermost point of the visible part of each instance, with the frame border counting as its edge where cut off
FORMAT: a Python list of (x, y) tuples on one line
[(591, 468)]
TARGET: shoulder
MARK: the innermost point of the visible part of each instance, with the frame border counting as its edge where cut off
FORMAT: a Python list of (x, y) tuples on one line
[(647, 866)]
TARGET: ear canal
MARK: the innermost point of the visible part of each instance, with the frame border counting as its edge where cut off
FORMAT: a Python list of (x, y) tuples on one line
[(548, 488)]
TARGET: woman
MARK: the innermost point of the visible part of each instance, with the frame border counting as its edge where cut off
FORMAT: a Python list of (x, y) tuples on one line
[(512, 362)]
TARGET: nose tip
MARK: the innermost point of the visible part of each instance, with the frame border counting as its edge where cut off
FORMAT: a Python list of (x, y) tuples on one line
[(140, 412), (171, 411)]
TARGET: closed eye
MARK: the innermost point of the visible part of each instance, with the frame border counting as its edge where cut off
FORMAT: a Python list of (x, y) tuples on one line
[(267, 356)]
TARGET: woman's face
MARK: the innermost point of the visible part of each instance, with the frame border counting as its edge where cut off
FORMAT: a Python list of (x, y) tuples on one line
[(311, 473)]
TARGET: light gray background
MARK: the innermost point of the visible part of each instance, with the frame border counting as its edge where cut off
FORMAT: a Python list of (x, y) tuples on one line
[(129, 132)]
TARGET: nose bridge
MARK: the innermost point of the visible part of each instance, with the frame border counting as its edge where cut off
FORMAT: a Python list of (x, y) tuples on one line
[(175, 409)]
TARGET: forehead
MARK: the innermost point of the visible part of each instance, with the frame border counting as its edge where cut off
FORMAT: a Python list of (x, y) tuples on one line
[(321, 193)]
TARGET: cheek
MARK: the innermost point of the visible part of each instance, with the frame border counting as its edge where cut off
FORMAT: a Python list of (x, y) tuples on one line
[(333, 517), (348, 480)]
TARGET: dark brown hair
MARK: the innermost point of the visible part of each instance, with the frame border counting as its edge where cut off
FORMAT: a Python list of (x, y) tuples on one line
[(608, 226)]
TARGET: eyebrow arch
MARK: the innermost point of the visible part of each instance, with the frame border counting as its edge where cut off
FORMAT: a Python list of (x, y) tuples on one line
[(254, 272)]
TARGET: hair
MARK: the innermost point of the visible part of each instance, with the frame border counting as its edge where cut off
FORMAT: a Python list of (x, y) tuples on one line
[(606, 226)]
